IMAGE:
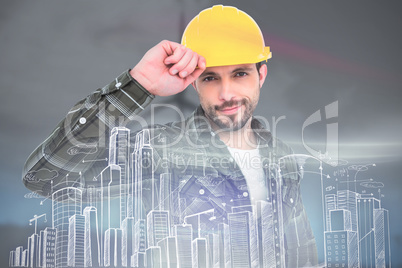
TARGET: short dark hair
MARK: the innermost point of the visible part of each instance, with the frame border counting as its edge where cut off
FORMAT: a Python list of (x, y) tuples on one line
[(258, 65)]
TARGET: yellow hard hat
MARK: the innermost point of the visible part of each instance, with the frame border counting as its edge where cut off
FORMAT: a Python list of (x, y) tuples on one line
[(224, 35)]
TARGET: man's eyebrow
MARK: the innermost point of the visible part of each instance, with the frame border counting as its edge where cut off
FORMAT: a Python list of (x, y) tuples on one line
[(208, 74), (242, 69)]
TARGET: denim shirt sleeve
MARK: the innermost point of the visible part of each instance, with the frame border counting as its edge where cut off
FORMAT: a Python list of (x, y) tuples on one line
[(78, 142)]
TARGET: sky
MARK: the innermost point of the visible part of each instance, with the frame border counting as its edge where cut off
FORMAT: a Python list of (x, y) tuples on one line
[(54, 53)]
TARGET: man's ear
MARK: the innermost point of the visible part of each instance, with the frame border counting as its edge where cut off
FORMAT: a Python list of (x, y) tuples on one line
[(263, 74)]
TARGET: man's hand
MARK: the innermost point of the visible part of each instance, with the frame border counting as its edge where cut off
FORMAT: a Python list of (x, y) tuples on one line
[(168, 68)]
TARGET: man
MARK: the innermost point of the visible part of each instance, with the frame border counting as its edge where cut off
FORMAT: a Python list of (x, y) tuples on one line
[(209, 170)]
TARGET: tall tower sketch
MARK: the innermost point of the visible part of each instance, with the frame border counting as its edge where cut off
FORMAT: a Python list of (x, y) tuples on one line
[(11, 258), (127, 241), (224, 255), (243, 239), (17, 256), (33, 250), (66, 202), (265, 234), (119, 148), (382, 238), (143, 168), (91, 242), (165, 191), (365, 209), (109, 179), (184, 236), (48, 250), (76, 241)]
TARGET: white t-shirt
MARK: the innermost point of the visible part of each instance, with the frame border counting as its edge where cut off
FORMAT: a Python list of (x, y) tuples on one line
[(250, 164)]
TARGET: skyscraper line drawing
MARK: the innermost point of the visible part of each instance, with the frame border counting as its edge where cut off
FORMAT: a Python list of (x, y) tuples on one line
[(137, 214)]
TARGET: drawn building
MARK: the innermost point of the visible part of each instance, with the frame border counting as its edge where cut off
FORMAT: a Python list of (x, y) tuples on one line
[(114, 232), (341, 249), (341, 220), (17, 256), (265, 234), (153, 257), (183, 234), (341, 242), (91, 240), (224, 255), (127, 229), (168, 252), (76, 241), (165, 191), (11, 258), (366, 227), (347, 200), (330, 204), (66, 202), (139, 242), (48, 236), (200, 252), (119, 148), (113, 247), (24, 258), (108, 203), (382, 238), (143, 174), (158, 226), (243, 239)]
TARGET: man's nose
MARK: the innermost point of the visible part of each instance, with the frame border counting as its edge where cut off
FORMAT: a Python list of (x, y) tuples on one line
[(226, 91)]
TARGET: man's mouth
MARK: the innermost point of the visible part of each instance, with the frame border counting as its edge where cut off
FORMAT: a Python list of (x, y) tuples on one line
[(230, 110), (231, 107)]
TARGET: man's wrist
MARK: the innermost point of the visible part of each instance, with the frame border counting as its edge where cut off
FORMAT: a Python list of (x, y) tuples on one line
[(141, 79)]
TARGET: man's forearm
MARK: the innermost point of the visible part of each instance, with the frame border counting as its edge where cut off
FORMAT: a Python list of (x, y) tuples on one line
[(79, 139)]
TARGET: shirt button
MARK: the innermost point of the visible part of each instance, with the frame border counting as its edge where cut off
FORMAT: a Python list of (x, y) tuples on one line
[(118, 85), (83, 120), (291, 200)]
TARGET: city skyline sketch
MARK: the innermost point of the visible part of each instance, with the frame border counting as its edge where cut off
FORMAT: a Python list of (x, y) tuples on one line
[(111, 228)]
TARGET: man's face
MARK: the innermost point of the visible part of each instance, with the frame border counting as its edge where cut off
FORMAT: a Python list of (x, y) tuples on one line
[(229, 94)]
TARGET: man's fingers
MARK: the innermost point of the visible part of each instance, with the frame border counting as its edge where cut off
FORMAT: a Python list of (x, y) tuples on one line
[(175, 53), (201, 66), (184, 62), (181, 64), (190, 66)]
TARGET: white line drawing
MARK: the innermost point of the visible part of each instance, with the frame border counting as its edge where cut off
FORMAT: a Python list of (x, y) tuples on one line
[(176, 229), (83, 149), (44, 173)]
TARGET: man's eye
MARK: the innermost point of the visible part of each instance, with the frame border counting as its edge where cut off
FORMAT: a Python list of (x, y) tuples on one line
[(208, 78), (241, 74)]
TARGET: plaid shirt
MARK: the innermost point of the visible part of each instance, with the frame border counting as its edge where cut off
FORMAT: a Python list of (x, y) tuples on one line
[(197, 160)]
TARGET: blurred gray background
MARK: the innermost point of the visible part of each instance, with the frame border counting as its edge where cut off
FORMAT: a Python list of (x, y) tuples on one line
[(53, 53)]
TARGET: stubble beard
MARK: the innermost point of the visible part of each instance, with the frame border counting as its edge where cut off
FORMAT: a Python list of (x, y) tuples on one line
[(233, 122)]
